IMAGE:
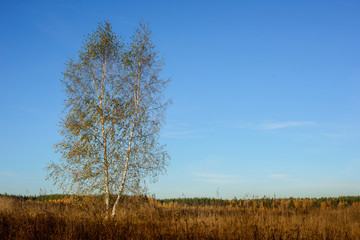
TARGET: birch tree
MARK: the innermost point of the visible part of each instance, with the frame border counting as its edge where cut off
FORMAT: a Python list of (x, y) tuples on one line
[(114, 110), (143, 66)]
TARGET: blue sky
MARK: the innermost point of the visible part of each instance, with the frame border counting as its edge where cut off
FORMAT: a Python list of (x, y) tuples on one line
[(266, 93)]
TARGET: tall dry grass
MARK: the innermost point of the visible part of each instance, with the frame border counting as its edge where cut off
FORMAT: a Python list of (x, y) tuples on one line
[(146, 218)]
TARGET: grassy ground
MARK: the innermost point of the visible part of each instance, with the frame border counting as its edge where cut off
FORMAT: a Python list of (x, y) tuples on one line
[(145, 218)]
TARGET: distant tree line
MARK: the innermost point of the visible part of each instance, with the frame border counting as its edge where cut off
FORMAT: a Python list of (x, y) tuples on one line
[(291, 203)]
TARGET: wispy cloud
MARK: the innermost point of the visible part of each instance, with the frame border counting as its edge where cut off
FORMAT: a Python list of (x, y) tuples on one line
[(7, 174), (272, 125), (32, 110), (333, 135), (279, 176), (184, 131), (277, 125), (217, 178), (184, 134)]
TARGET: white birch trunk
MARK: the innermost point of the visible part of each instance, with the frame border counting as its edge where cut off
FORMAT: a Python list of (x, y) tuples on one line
[(136, 99), (126, 166)]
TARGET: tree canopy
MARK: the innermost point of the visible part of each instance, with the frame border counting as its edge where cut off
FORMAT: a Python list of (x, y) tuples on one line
[(114, 111)]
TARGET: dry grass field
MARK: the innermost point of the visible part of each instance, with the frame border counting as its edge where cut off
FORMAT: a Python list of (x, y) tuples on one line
[(145, 218)]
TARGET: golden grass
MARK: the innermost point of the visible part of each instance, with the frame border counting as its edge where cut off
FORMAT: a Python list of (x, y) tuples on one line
[(146, 218)]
